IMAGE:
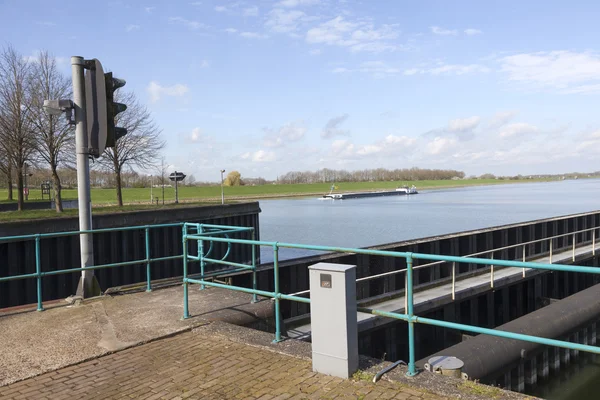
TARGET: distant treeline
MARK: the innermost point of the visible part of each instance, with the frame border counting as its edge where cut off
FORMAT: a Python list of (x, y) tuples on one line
[(368, 175)]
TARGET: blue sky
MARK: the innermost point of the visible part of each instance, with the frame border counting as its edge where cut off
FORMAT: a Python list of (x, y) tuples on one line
[(266, 87)]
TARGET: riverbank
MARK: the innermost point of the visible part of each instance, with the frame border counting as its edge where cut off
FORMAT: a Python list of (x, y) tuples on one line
[(104, 200)]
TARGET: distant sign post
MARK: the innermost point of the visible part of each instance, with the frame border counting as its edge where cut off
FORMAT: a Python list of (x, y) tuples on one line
[(176, 177), (46, 189)]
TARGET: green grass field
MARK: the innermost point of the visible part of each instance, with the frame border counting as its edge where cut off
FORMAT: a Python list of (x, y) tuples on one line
[(213, 193)]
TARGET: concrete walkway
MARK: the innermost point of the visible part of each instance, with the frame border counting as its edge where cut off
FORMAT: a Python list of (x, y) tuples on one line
[(34, 342), (200, 365)]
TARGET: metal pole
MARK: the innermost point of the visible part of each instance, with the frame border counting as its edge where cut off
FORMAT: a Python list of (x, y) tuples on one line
[(38, 271), (176, 191), (200, 231), (412, 370), (186, 313), (88, 286), (573, 247), (453, 280), (148, 277), (254, 299), (550, 260), (277, 300), (222, 193), (594, 242), (492, 273)]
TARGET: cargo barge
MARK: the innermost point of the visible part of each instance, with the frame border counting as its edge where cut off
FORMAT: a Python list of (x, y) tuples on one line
[(402, 191)]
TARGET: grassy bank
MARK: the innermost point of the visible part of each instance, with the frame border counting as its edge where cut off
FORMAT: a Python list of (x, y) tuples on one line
[(104, 200), (213, 193)]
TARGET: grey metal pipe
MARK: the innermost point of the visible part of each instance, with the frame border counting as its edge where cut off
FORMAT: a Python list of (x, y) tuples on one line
[(484, 355), (83, 177)]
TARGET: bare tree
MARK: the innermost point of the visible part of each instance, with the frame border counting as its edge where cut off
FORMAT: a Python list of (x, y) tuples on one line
[(141, 145), (6, 169), (53, 133), (16, 136)]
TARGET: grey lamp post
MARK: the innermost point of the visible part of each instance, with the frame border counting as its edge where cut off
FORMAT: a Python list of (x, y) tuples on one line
[(222, 193)]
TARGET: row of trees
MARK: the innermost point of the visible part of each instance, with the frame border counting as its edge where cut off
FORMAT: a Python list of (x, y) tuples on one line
[(102, 178), (368, 175), (29, 135)]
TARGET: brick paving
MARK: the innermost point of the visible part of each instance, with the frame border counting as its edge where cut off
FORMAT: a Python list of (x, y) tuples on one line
[(194, 365)]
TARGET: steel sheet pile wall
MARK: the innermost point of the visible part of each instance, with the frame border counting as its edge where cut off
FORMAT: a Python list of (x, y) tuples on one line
[(62, 253), (294, 273)]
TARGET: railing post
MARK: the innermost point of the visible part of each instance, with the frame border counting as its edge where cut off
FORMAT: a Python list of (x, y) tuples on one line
[(573, 247), (412, 370), (550, 260), (453, 280), (594, 242), (254, 299), (523, 253), (277, 294), (200, 230), (492, 272), (186, 313), (406, 292), (38, 271), (148, 277)]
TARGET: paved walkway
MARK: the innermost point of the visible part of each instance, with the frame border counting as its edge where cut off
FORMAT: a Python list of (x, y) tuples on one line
[(200, 365)]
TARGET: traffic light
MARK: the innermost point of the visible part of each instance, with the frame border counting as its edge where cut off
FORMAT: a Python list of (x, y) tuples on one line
[(112, 109), (101, 108)]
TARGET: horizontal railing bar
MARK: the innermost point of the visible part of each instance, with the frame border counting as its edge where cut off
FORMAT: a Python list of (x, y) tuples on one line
[(508, 335), (18, 277), (240, 228), (223, 262), (73, 233), (230, 287), (223, 232), (485, 331)]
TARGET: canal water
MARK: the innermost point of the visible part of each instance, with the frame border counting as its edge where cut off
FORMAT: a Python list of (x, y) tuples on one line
[(381, 220)]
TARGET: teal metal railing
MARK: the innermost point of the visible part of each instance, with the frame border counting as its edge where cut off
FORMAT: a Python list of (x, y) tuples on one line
[(408, 316), (39, 274)]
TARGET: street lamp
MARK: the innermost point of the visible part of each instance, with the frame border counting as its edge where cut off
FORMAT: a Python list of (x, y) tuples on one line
[(222, 194)]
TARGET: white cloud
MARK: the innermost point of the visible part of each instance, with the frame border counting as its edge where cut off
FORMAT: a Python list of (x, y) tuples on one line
[(357, 36), (204, 64), (342, 148), (565, 71), (250, 12), (448, 69), (340, 70), (399, 140), (471, 32), (315, 52), (230, 30), (150, 9), (518, 128), (332, 128), (263, 156), (220, 8), (132, 27), (284, 21), (378, 69), (501, 118), (440, 145), (463, 124), (187, 23), (457, 69), (196, 135), (296, 3), (290, 132), (253, 35), (156, 91), (436, 30)]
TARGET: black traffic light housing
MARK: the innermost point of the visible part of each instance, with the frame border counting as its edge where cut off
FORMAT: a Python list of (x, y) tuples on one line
[(112, 109)]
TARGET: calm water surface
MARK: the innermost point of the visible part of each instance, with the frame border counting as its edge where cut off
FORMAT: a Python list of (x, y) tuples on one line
[(380, 220), (375, 221)]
